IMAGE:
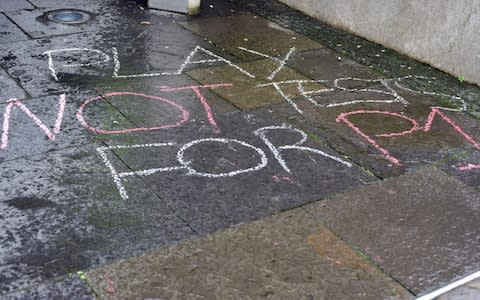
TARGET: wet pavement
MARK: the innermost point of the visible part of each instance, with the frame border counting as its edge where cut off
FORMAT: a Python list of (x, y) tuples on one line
[(248, 152)]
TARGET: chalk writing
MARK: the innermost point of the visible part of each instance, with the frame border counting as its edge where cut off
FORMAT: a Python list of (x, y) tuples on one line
[(51, 65), (183, 165), (338, 85), (51, 134), (197, 90), (188, 61), (343, 117), (296, 146), (183, 114), (281, 63)]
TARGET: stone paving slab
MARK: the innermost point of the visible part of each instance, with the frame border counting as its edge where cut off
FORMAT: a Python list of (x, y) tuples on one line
[(104, 15), (61, 213), (287, 256), (9, 32), (9, 88), (421, 228), (37, 25), (250, 32), (324, 64), (14, 5), (70, 287)]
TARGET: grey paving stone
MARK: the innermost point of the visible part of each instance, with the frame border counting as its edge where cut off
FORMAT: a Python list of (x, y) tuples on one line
[(287, 256), (70, 287), (421, 227), (250, 32), (14, 5), (9, 88), (9, 32), (37, 25), (60, 213), (325, 64), (104, 16), (143, 50)]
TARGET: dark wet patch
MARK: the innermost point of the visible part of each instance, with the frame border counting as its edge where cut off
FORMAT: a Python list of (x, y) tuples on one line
[(25, 203)]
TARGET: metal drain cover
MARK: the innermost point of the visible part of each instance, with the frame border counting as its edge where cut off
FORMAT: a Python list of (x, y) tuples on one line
[(68, 16)]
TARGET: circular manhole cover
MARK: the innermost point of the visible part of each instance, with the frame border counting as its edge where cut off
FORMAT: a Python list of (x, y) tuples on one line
[(68, 16)]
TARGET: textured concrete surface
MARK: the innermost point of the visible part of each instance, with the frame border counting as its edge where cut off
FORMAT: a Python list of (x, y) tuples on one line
[(9, 32), (15, 5), (169, 131), (287, 256), (441, 33), (69, 287), (428, 219)]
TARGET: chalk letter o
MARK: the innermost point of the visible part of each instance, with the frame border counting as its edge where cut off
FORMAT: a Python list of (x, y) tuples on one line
[(82, 121), (191, 171)]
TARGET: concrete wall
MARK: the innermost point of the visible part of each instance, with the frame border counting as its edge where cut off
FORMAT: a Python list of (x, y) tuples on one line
[(442, 33)]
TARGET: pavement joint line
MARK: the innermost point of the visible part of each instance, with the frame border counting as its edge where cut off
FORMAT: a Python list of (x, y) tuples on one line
[(450, 287), (19, 27)]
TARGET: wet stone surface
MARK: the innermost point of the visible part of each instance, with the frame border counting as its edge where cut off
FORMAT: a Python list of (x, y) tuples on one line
[(14, 5), (9, 88), (176, 126), (375, 56), (69, 287), (287, 256), (421, 228), (32, 124), (250, 93), (9, 32), (61, 213), (143, 51), (216, 162), (252, 33)]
